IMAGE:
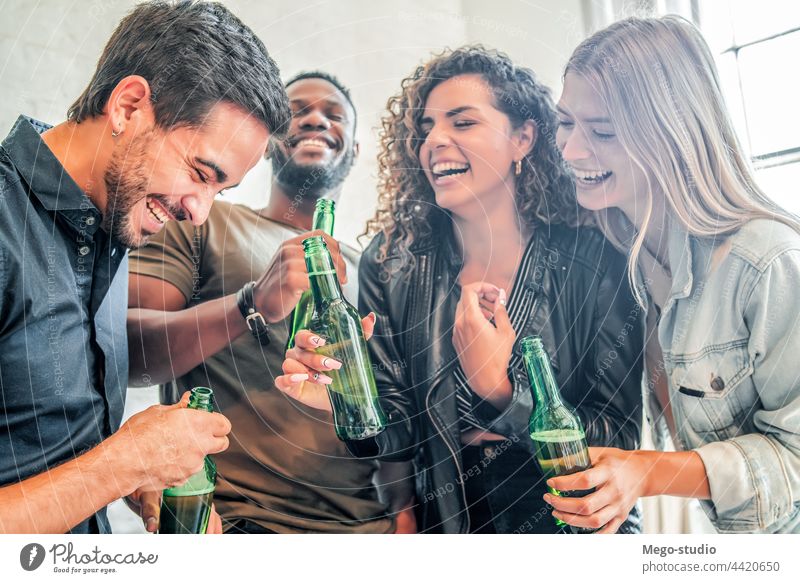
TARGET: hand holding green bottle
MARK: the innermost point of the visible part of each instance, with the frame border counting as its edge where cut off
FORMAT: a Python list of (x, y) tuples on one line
[(186, 506), (304, 369), (340, 349), (147, 505)]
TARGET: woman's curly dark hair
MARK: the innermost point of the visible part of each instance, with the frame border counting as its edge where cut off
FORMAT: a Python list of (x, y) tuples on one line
[(544, 190)]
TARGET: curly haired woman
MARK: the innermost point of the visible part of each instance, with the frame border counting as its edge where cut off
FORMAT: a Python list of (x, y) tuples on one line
[(477, 246)]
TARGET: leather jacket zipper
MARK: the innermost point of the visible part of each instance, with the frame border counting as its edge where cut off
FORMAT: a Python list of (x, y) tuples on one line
[(425, 280), (456, 459)]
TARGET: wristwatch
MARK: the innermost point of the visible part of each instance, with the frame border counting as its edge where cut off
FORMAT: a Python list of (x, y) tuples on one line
[(255, 320)]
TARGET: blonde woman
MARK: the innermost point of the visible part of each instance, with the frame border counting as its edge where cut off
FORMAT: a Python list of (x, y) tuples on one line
[(715, 264)]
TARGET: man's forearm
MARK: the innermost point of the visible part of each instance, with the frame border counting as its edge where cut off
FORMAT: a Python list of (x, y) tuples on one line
[(59, 499), (166, 345)]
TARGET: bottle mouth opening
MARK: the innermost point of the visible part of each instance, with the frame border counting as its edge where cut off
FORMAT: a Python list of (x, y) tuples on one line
[(202, 392), (325, 204), (532, 343), (313, 244)]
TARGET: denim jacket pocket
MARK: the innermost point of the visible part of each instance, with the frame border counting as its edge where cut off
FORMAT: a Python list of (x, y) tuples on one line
[(714, 390)]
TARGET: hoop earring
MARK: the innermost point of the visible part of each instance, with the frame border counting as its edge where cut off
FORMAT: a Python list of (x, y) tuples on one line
[(518, 168)]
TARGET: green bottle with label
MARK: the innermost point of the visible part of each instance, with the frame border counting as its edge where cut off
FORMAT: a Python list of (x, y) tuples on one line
[(557, 433), (303, 312), (186, 509), (357, 414)]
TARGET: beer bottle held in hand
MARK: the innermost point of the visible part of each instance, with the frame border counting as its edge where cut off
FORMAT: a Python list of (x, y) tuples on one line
[(557, 433), (303, 312), (186, 509), (354, 397)]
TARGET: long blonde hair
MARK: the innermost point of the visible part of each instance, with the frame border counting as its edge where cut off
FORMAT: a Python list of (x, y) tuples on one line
[(658, 80)]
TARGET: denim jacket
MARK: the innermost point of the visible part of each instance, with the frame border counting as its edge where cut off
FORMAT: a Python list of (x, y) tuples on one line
[(730, 335)]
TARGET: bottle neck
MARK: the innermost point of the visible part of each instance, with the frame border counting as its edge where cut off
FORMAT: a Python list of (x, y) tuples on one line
[(200, 398), (322, 276), (543, 382), (323, 217)]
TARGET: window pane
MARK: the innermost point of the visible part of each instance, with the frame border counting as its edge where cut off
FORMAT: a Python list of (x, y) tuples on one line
[(780, 184), (771, 90), (763, 18), (731, 91), (716, 22)]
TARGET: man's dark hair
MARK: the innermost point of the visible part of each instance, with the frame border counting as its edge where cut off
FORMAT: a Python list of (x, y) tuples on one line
[(325, 77), (193, 55), (317, 74)]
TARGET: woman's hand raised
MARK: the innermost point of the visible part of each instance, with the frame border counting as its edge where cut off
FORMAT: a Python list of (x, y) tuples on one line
[(304, 377), (483, 338)]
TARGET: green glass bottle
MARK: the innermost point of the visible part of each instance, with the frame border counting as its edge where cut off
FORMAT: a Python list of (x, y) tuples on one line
[(303, 312), (354, 397), (185, 509), (558, 436)]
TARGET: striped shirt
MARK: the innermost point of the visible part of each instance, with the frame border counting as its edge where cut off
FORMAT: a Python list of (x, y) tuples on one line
[(520, 303)]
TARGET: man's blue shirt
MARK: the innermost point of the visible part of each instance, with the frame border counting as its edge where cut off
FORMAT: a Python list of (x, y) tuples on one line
[(63, 303)]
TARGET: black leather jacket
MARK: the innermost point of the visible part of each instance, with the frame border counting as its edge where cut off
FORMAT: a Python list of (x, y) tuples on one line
[(583, 309)]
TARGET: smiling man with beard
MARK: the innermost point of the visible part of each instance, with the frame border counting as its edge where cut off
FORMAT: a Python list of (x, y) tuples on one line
[(285, 470), (182, 104)]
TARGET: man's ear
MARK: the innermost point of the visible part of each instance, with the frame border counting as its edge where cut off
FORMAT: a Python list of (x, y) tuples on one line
[(129, 104), (356, 150), (525, 138)]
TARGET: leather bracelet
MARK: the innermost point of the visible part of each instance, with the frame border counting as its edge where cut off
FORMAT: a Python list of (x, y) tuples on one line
[(253, 318)]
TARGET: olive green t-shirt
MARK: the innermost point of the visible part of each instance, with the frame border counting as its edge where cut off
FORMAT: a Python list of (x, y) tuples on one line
[(285, 469)]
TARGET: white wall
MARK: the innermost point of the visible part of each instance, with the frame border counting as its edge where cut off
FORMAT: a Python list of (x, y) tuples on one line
[(49, 48)]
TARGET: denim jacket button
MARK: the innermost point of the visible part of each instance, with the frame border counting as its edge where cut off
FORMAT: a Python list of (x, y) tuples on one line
[(717, 384)]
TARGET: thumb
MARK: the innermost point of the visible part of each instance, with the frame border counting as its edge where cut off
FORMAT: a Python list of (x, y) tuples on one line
[(183, 403), (501, 319), (150, 504), (597, 453), (368, 325)]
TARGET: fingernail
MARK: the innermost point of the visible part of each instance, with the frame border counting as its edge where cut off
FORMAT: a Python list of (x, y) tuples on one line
[(503, 297), (151, 523), (317, 341), (298, 378), (372, 317), (324, 379), (331, 364)]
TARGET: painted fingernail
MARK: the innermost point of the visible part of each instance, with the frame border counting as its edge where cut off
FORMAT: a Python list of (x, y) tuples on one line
[(324, 379), (298, 378), (317, 341), (331, 364)]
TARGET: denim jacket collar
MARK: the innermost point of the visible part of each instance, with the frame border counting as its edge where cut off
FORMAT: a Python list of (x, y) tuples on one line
[(681, 261)]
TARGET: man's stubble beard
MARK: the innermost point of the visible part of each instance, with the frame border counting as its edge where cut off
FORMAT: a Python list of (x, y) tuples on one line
[(310, 181), (126, 183)]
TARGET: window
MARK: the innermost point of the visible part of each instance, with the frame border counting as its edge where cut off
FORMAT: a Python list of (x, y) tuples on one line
[(757, 46)]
